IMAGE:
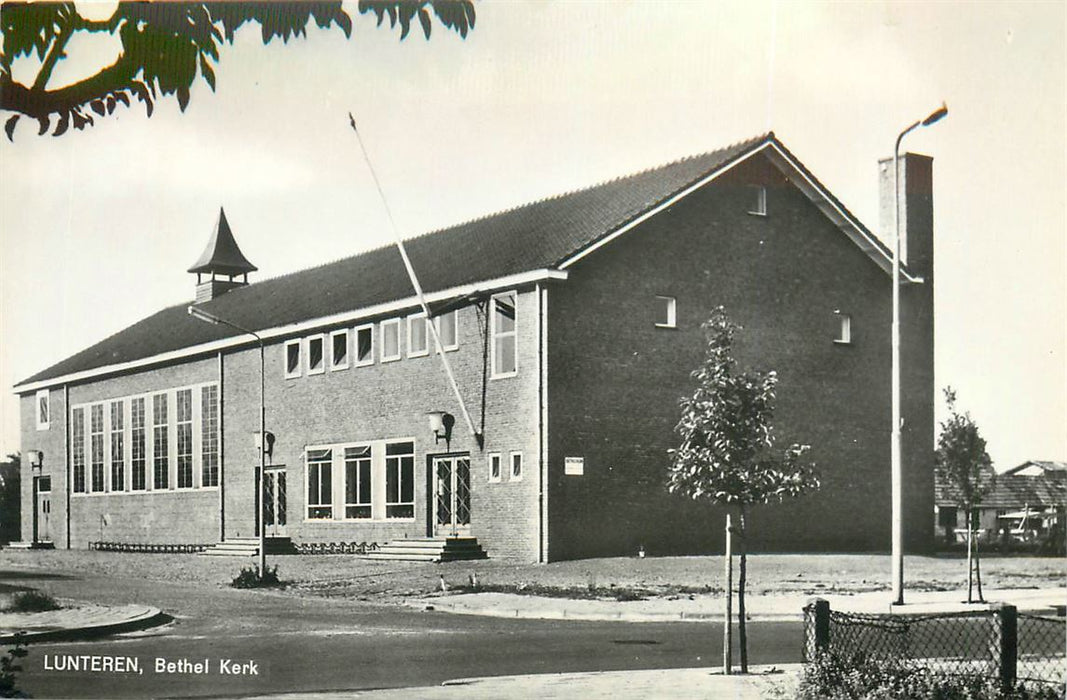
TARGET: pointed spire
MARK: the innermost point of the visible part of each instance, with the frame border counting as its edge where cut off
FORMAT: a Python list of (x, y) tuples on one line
[(222, 256)]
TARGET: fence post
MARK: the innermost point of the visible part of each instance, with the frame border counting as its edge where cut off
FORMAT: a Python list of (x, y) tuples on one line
[(819, 637), (1007, 643)]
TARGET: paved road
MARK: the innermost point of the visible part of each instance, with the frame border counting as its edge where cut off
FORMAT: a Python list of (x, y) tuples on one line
[(316, 644)]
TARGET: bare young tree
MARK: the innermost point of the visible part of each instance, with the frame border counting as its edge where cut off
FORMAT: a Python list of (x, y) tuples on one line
[(964, 465), (727, 455)]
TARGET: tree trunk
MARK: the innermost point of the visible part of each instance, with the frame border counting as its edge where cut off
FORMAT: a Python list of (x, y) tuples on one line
[(970, 554), (978, 571), (727, 629), (742, 637)]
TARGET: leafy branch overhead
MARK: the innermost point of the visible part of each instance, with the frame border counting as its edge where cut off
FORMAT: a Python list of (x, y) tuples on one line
[(165, 46)]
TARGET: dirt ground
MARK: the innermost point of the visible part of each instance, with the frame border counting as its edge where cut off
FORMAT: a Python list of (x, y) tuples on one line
[(351, 577)]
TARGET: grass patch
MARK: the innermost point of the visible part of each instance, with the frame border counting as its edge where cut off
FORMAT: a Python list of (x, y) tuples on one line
[(32, 601)]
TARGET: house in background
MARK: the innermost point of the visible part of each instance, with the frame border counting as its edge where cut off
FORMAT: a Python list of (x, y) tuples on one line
[(1026, 502), (571, 325)]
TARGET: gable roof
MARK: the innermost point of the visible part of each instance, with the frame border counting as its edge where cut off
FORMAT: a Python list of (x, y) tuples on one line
[(546, 235), (1042, 467), (1012, 491)]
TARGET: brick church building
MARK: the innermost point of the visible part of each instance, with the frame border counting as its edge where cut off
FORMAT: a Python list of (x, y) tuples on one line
[(570, 324)]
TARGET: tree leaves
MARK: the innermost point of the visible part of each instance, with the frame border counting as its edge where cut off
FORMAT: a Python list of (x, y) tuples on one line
[(961, 460), (165, 46), (726, 452)]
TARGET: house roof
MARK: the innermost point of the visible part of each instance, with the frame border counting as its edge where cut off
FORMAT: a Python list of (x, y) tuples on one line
[(1013, 491), (1042, 466), (222, 254), (548, 234)]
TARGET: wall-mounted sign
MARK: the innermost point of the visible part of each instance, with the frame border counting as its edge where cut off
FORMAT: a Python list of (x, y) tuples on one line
[(574, 466)]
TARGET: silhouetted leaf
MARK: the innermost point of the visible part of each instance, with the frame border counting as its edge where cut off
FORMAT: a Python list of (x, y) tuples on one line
[(183, 97), (110, 104), (424, 18), (44, 122), (207, 72), (9, 127), (98, 107), (63, 125)]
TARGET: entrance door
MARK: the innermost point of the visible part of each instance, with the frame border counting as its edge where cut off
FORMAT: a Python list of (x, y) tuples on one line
[(274, 501), (44, 509), (452, 497)]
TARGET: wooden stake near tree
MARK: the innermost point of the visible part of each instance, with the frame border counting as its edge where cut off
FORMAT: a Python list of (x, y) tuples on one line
[(963, 464), (726, 454)]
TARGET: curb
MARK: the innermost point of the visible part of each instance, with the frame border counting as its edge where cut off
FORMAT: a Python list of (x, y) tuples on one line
[(152, 617), (434, 605)]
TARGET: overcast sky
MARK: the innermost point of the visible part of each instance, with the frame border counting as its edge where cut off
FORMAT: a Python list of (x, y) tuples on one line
[(99, 226)]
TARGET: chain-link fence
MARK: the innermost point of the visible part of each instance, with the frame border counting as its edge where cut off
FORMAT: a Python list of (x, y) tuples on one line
[(995, 643)]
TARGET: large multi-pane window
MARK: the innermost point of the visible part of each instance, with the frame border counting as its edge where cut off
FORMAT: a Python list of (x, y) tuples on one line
[(209, 436), (400, 480), (137, 445), (118, 447), (503, 330), (320, 484), (96, 447), (184, 437), (77, 448), (357, 482), (160, 447)]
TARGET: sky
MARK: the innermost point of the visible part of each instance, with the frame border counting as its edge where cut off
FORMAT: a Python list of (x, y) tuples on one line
[(98, 227)]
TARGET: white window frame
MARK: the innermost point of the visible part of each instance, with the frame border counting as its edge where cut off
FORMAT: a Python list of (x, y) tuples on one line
[(321, 338), (329, 467), (345, 504), (293, 374), (385, 482), (412, 320), (511, 466), (495, 459), (454, 345), (494, 334), (760, 194), (844, 328), (334, 365), (393, 323), (671, 309), (356, 362), (43, 422), (175, 424)]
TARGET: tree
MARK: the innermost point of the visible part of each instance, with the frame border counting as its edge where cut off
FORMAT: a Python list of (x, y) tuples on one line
[(964, 465), (727, 454), (165, 46), (10, 497)]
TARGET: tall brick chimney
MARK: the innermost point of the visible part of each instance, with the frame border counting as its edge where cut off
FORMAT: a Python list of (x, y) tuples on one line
[(222, 261), (916, 211)]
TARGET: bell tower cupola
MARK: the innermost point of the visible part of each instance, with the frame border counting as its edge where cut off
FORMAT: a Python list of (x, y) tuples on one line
[(221, 264)]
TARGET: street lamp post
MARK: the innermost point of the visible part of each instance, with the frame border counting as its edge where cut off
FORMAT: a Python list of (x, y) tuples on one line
[(897, 472), (213, 319)]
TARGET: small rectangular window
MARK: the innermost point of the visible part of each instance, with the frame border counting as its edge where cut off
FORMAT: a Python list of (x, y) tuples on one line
[(758, 201), (844, 328), (339, 350), (494, 469), (292, 358), (417, 331), (43, 410), (316, 358), (447, 331), (320, 484), (390, 339), (666, 312), (516, 467), (503, 328), (364, 345)]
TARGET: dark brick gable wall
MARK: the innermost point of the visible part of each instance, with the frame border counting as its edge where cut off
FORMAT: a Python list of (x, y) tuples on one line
[(615, 379)]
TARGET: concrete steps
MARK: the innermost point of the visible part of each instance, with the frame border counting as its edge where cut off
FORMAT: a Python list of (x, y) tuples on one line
[(31, 545), (430, 549)]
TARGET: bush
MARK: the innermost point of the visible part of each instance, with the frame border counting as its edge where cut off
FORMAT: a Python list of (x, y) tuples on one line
[(249, 578), (32, 601), (9, 668), (858, 676)]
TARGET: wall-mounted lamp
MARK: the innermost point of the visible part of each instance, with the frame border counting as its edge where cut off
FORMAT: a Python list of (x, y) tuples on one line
[(270, 442), (441, 425)]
